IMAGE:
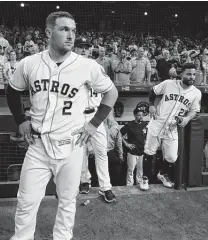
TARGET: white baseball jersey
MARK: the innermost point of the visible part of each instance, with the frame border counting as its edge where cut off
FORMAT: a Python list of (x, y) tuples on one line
[(59, 96), (94, 99), (176, 101)]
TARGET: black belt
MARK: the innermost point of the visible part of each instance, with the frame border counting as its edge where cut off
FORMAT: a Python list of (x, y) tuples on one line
[(35, 133)]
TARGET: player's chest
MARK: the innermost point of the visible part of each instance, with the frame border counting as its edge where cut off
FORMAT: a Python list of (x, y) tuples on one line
[(176, 98), (61, 82), (136, 130)]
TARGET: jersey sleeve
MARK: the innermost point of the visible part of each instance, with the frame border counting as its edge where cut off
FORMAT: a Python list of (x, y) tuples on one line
[(196, 104), (99, 81), (160, 88), (19, 80)]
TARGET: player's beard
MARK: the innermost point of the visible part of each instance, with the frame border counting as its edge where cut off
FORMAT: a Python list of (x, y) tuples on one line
[(188, 82)]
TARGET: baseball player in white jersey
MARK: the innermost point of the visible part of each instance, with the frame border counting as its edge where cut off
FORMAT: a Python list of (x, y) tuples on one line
[(179, 104), (56, 79), (98, 141)]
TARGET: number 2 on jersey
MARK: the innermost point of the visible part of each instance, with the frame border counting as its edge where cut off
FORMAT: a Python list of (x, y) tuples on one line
[(182, 112), (67, 107)]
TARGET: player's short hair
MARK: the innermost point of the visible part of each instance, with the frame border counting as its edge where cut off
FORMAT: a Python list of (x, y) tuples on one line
[(188, 66), (137, 110), (51, 19)]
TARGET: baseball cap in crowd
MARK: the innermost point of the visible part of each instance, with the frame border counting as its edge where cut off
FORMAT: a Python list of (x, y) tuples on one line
[(41, 43), (133, 50), (82, 42)]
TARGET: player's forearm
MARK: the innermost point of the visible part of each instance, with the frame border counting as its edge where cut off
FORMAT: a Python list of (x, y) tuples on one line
[(106, 105), (190, 115), (15, 104), (152, 97), (119, 144)]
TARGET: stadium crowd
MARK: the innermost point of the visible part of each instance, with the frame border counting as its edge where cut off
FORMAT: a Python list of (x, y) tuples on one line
[(126, 58)]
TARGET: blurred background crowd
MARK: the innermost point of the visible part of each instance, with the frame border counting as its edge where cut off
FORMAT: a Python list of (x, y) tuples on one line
[(136, 42), (126, 58)]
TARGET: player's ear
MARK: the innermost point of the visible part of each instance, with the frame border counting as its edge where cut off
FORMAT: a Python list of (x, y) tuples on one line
[(48, 33)]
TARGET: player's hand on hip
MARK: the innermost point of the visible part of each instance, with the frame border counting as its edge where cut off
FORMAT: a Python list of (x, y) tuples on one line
[(184, 122), (152, 112), (86, 132), (25, 131)]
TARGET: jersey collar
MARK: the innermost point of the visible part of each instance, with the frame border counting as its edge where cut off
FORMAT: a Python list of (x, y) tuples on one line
[(46, 57), (184, 90)]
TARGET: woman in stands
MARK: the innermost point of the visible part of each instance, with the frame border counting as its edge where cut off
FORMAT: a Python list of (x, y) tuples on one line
[(10, 66)]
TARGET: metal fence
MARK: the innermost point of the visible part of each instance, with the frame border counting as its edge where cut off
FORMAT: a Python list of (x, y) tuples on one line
[(11, 158)]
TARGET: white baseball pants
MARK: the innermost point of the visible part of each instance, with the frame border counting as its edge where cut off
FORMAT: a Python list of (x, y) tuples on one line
[(85, 174), (99, 143), (132, 162), (37, 170), (169, 147)]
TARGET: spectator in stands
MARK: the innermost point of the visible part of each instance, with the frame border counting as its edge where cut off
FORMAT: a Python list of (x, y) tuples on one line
[(36, 36), (28, 45), (199, 73), (110, 54), (7, 51), (135, 132), (172, 74), (141, 69), (19, 51), (115, 149), (154, 73), (105, 62), (134, 54), (10, 38), (184, 57), (3, 44), (205, 66), (122, 69), (153, 48), (82, 47), (163, 66), (3, 59), (158, 52), (10, 66), (41, 46), (34, 49), (146, 50)]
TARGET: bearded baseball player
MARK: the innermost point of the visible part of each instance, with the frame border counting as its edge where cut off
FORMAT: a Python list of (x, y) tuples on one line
[(56, 79), (98, 141), (179, 104)]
